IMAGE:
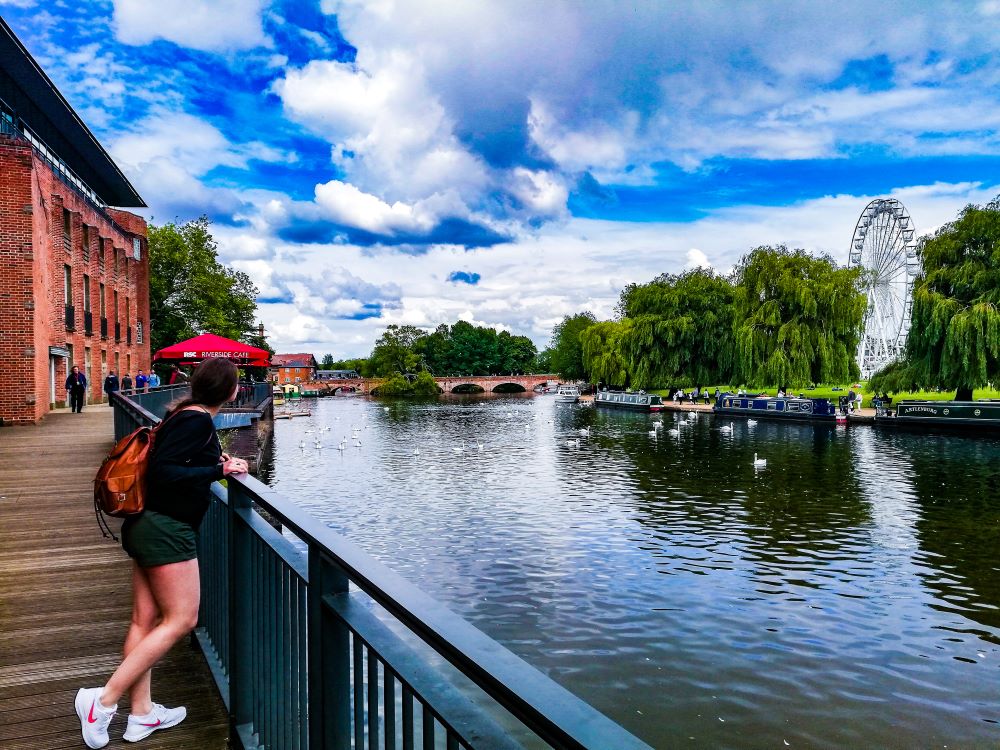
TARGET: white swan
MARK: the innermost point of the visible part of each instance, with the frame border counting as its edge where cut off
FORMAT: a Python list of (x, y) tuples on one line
[(726, 427), (652, 433), (457, 449), (416, 451), (302, 443), (585, 431), (751, 423), (759, 462), (674, 432), (575, 442)]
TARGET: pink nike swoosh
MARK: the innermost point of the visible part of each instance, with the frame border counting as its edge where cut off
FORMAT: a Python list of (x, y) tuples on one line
[(158, 722), (91, 719)]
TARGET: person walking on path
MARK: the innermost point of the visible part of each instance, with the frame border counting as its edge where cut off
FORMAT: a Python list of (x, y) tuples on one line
[(154, 380), (126, 384), (76, 389), (110, 384), (186, 459), (140, 382)]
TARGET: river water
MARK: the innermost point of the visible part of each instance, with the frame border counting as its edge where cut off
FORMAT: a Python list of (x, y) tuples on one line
[(847, 595)]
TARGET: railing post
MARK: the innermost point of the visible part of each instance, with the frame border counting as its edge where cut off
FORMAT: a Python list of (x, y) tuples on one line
[(240, 613), (329, 668)]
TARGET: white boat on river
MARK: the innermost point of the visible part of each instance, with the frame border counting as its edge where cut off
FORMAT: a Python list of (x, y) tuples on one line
[(568, 393)]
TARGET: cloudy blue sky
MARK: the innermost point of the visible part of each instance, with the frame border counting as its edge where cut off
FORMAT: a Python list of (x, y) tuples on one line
[(511, 162)]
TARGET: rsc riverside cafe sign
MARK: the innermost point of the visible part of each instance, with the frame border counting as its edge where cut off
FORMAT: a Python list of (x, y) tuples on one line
[(207, 346)]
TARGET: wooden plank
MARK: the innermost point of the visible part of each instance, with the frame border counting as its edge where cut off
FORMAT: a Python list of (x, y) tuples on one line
[(65, 597)]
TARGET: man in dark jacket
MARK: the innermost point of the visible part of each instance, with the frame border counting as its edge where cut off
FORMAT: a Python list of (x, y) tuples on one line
[(110, 384), (126, 384), (76, 389)]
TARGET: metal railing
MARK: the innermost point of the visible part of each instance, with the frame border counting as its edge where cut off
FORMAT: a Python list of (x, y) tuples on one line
[(302, 661)]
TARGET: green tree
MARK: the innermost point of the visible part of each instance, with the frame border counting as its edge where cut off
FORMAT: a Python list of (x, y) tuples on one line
[(799, 319), (566, 348), (394, 351), (190, 291), (680, 332), (543, 361), (954, 338), (604, 348), (327, 362)]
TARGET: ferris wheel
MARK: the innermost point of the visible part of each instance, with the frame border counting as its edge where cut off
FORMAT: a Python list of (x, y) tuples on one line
[(883, 246)]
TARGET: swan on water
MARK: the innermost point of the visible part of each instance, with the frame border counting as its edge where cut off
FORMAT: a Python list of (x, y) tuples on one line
[(416, 451), (585, 431), (674, 432), (726, 427), (751, 423), (574, 442), (302, 443), (761, 462)]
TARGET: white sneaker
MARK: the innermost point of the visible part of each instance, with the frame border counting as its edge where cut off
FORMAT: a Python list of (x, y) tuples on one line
[(161, 717), (94, 718)]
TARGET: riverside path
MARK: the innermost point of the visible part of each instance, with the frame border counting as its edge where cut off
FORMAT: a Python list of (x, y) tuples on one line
[(65, 597)]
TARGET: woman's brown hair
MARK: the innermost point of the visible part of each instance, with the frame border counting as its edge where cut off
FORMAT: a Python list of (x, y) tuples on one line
[(212, 384)]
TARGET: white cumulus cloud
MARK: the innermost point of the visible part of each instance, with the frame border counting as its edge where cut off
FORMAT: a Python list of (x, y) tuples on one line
[(209, 25)]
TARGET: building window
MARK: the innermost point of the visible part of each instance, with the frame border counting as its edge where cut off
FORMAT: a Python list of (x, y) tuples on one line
[(100, 300), (85, 242), (67, 286), (67, 229), (101, 242), (86, 293), (138, 332), (136, 248)]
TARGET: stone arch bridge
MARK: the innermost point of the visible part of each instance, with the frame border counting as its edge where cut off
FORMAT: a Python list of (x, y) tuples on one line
[(489, 383)]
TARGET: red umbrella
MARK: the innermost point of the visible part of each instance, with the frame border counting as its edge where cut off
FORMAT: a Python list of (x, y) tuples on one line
[(209, 345)]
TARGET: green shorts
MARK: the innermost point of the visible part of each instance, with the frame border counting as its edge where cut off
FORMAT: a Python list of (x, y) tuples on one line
[(153, 539)]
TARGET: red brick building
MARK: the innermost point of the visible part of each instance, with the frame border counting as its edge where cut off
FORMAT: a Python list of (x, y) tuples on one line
[(74, 275), (292, 368)]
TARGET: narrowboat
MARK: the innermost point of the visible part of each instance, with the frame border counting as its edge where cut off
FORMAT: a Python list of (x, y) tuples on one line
[(569, 394), (771, 407), (628, 400), (968, 415)]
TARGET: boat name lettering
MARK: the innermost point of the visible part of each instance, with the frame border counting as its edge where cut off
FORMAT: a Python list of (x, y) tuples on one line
[(928, 409)]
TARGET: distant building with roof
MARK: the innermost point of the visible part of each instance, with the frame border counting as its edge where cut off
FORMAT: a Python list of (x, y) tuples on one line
[(74, 276), (292, 368)]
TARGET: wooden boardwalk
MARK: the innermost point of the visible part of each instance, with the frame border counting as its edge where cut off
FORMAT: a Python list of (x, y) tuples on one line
[(65, 597)]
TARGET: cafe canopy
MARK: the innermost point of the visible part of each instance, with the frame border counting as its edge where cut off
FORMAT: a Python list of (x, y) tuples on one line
[(209, 345)]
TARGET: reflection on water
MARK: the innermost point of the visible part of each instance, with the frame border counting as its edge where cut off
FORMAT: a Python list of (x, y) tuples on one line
[(845, 596)]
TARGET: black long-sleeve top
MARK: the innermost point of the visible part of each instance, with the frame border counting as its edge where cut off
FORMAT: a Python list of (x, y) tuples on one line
[(183, 465)]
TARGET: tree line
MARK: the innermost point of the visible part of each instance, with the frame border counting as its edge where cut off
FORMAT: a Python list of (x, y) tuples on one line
[(782, 317), (458, 349)]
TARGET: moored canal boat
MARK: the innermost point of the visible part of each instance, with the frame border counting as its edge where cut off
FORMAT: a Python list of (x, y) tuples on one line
[(628, 400), (967, 415), (772, 407)]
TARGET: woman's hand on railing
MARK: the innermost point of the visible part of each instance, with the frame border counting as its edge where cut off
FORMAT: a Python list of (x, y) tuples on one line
[(232, 465)]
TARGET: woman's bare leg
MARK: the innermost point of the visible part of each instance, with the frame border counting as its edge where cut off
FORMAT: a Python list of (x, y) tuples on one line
[(145, 617), (177, 590)]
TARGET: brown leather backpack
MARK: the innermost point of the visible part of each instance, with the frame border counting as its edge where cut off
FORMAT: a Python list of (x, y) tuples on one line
[(120, 484)]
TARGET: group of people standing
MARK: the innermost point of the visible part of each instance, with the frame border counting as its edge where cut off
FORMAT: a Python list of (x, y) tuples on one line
[(76, 385), (141, 384)]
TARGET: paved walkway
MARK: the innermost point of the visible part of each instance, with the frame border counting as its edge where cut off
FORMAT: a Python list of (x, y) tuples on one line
[(65, 597)]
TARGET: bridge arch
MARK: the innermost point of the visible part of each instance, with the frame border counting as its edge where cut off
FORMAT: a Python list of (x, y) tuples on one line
[(509, 387), (467, 388)]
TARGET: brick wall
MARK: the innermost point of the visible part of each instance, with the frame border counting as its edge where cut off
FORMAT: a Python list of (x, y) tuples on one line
[(33, 255)]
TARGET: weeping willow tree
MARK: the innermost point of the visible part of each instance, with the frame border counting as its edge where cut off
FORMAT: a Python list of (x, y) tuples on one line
[(681, 330), (954, 339), (604, 352), (799, 319)]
